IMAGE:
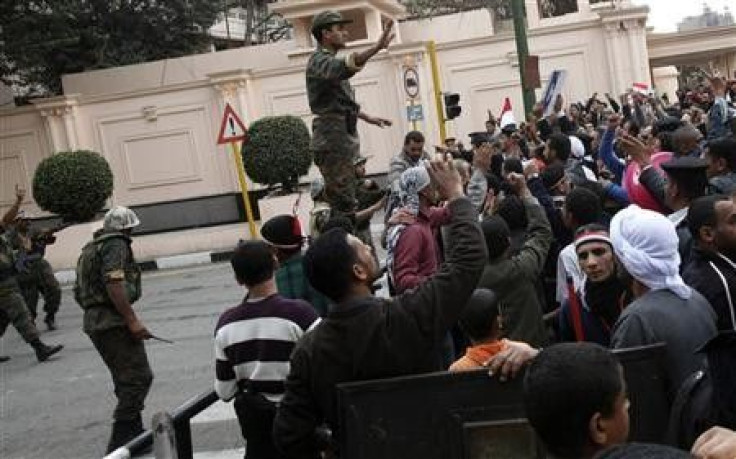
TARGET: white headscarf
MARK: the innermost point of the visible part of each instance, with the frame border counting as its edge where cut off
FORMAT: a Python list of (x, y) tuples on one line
[(646, 244)]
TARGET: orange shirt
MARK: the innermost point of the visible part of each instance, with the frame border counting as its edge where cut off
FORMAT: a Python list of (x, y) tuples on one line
[(476, 356)]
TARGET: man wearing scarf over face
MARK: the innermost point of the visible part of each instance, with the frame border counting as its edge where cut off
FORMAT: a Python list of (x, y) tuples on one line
[(590, 313), (664, 308)]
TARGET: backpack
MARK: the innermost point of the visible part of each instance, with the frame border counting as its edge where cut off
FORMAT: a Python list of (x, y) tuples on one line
[(89, 286), (707, 397)]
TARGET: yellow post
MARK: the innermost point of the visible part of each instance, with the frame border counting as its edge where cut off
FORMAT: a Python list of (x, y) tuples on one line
[(235, 147), (432, 51)]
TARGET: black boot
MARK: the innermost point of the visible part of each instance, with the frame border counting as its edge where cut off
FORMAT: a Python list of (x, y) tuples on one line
[(43, 352), (123, 431), (50, 321)]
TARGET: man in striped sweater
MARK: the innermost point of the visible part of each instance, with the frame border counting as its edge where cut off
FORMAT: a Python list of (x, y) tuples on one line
[(253, 342)]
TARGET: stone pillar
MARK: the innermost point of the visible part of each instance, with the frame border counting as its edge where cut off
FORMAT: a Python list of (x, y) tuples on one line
[(373, 25), (59, 114), (232, 88), (613, 53), (626, 47), (532, 14), (639, 51), (302, 32), (725, 65)]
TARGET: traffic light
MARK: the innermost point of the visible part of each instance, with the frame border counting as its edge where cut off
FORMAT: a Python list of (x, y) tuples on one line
[(452, 105)]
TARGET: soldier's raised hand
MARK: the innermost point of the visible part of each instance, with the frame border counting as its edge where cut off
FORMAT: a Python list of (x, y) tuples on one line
[(387, 35)]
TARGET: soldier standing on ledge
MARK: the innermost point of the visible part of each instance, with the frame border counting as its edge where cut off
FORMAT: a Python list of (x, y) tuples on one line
[(108, 282), (335, 142)]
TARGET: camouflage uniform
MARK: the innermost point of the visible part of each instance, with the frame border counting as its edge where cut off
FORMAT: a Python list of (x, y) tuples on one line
[(40, 278), (335, 140), (13, 307), (36, 274), (108, 257)]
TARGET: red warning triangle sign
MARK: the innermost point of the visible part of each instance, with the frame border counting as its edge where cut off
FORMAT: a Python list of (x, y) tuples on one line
[(232, 128)]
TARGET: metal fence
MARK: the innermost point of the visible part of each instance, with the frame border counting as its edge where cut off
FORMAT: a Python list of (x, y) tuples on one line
[(181, 418)]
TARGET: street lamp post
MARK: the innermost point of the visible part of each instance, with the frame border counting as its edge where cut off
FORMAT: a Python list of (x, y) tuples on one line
[(522, 51)]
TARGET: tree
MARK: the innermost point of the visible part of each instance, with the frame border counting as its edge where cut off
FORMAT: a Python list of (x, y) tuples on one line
[(40, 40), (73, 184), (277, 152), (260, 25)]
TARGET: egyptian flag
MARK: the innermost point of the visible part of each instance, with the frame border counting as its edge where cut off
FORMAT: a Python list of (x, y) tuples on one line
[(508, 123), (641, 88)]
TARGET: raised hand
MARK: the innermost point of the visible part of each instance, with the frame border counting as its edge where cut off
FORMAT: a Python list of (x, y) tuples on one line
[(518, 184), (636, 149), (387, 35), (447, 178)]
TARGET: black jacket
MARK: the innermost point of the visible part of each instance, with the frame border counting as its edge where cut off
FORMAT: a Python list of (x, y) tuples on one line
[(655, 183), (374, 338), (514, 279), (715, 278)]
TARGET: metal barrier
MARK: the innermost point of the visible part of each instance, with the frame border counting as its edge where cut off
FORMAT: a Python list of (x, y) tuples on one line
[(183, 433)]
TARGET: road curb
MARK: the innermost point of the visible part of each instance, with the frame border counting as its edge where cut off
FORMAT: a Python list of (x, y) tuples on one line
[(68, 276)]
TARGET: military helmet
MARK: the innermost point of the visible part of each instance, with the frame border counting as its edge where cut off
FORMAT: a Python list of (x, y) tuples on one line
[(119, 218)]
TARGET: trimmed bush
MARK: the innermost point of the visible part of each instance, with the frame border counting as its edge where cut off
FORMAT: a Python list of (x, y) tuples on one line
[(277, 152), (73, 184)]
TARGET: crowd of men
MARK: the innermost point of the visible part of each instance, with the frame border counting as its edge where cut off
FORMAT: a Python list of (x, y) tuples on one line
[(607, 224)]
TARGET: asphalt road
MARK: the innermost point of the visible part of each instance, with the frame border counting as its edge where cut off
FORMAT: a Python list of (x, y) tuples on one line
[(62, 408)]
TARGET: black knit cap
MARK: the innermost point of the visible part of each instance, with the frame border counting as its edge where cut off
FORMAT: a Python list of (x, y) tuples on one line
[(283, 231)]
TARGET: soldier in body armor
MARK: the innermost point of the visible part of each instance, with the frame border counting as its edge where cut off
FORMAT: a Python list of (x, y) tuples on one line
[(108, 282)]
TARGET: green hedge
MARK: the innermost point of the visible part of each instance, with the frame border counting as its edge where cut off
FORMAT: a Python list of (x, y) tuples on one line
[(73, 184), (277, 151)]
